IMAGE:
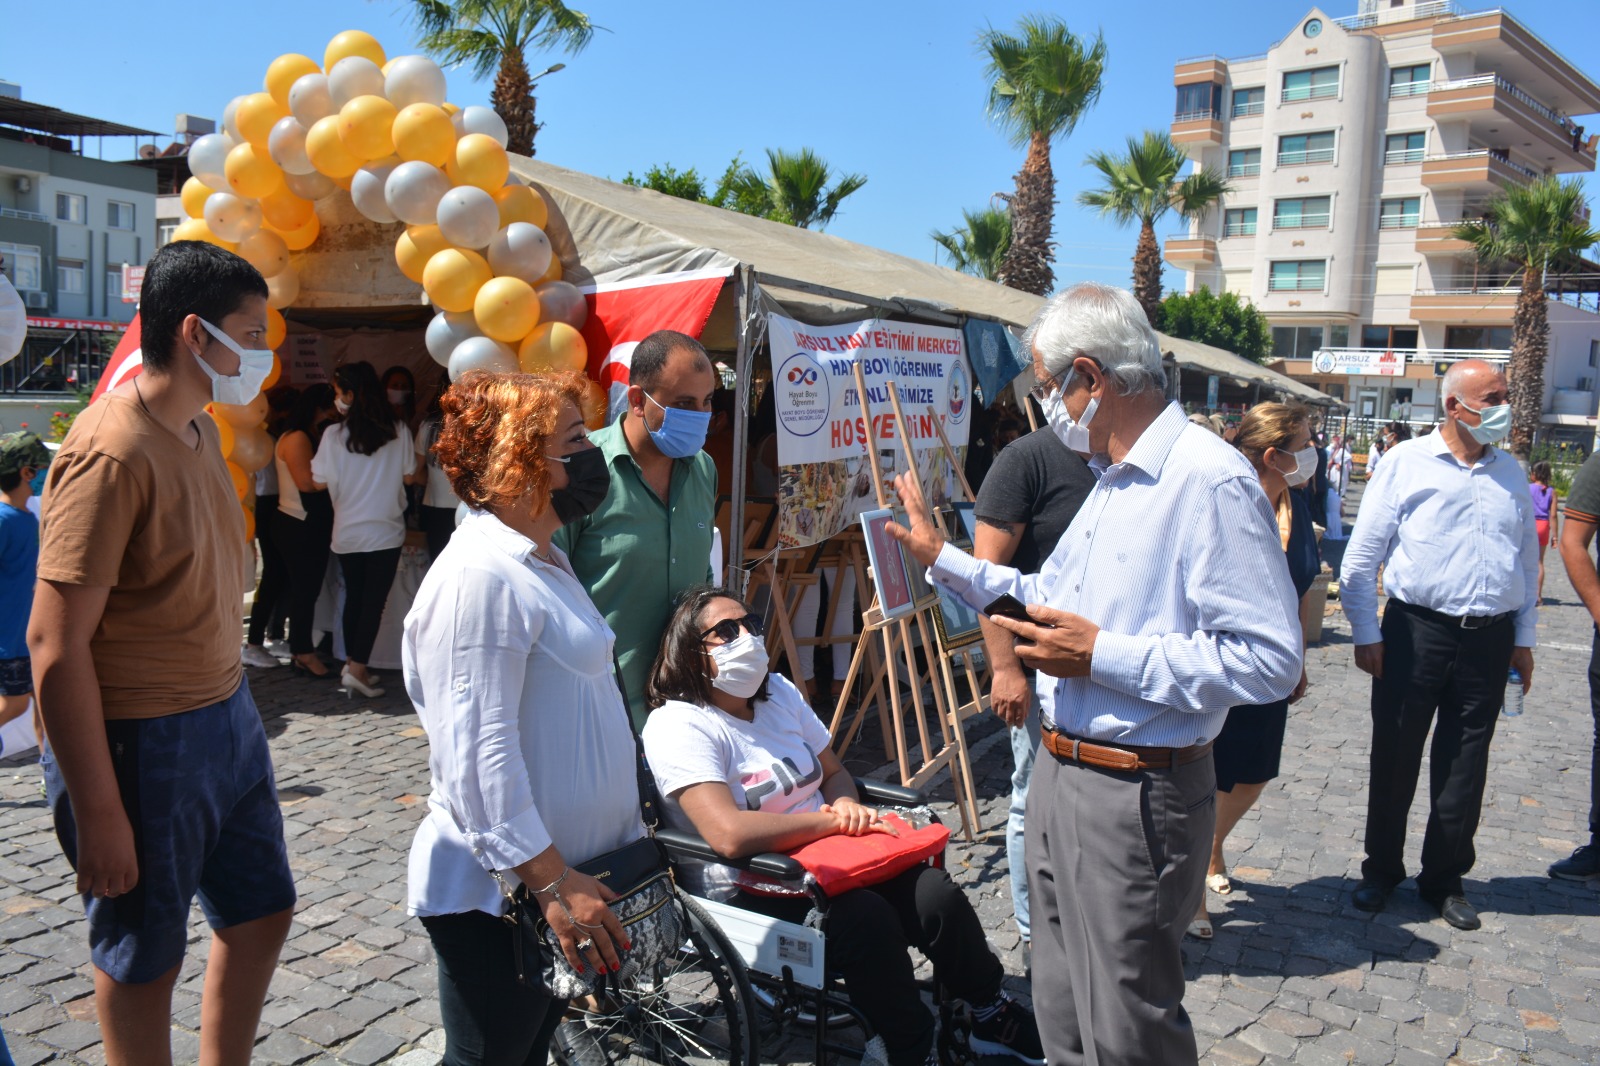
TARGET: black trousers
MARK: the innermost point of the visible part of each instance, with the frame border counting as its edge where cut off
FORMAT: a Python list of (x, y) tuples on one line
[(272, 595), (870, 932), (304, 544), (367, 577), (489, 1019), (1432, 668), (438, 523), (1594, 758)]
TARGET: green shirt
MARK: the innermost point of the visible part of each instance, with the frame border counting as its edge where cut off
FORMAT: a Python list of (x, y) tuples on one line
[(635, 554)]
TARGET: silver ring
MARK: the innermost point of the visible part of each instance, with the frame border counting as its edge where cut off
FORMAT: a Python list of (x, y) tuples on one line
[(585, 944)]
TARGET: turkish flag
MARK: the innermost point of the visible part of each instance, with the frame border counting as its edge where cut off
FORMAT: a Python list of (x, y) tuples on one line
[(124, 364), (623, 313)]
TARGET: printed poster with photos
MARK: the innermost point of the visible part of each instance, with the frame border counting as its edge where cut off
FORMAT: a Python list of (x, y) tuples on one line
[(823, 436)]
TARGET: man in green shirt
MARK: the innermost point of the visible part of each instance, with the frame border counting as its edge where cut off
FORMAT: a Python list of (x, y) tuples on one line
[(651, 537)]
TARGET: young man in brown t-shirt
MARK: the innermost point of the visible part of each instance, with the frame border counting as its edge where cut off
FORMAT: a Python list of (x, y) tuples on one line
[(157, 768)]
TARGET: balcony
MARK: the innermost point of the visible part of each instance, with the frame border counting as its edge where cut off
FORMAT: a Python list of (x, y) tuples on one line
[(1389, 16), (1498, 41), (1302, 93), (25, 216), (1305, 157), (1317, 221), (1397, 157), (1492, 107), (1438, 238), (1402, 221), (1479, 169), (1245, 170), (1197, 127), (1188, 252), (1470, 306), (1250, 110), (1239, 229)]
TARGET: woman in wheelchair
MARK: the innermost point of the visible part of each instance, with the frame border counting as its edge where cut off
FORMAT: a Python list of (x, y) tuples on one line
[(740, 757)]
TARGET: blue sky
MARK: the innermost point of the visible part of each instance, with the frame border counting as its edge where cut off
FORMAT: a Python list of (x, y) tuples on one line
[(891, 89)]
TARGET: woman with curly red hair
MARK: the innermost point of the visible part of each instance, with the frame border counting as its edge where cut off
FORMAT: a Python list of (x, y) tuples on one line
[(509, 666)]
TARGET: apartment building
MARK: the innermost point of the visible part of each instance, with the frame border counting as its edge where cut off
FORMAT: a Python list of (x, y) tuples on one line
[(1353, 146)]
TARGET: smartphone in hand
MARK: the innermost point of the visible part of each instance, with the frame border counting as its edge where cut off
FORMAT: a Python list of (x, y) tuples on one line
[(1008, 606)]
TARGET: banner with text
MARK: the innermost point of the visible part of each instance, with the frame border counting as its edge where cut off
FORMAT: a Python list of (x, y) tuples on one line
[(823, 434)]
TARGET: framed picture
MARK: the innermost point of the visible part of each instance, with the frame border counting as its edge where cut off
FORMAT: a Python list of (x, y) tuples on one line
[(916, 574), (889, 576), (955, 623), (966, 521)]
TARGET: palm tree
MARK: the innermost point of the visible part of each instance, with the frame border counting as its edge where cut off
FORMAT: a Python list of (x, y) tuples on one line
[(1537, 226), (496, 35), (979, 246), (1142, 186), (794, 189), (1042, 79)]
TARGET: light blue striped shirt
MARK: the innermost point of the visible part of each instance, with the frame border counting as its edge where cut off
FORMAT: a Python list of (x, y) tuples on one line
[(1176, 557)]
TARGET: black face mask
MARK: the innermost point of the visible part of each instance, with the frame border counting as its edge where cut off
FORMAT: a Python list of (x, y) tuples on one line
[(588, 481)]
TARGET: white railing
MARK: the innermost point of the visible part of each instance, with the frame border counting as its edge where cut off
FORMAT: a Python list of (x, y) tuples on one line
[(1309, 92), (1309, 155), (1212, 56), (1400, 89), (1239, 229), (1301, 221), (1399, 221), (1398, 156), (1309, 284), (1202, 115), (26, 216), (1383, 16), (1473, 290), (1543, 111), (1244, 170), (1484, 153), (1254, 107)]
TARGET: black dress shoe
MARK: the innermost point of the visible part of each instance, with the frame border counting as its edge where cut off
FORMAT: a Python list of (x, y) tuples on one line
[(1371, 896), (1459, 913)]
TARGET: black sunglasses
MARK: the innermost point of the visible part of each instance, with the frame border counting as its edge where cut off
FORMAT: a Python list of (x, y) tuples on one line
[(728, 628)]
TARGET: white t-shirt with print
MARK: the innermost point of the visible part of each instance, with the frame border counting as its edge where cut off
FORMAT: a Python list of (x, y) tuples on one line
[(770, 764)]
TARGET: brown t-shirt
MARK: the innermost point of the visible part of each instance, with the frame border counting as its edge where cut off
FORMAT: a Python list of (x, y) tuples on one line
[(130, 506)]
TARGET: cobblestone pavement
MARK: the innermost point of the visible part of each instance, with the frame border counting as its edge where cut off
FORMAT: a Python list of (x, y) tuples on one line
[(1295, 973)]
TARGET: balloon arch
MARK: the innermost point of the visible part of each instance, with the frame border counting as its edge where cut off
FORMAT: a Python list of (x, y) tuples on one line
[(381, 130)]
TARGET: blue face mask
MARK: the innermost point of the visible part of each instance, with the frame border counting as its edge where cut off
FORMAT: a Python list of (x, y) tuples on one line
[(36, 486), (682, 433)]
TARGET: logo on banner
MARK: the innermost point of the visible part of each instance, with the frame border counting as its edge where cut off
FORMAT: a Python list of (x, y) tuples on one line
[(806, 398), (958, 392), (1323, 362)]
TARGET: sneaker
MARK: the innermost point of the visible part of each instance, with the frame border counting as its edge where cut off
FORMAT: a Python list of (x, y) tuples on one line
[(576, 1045), (256, 655), (1008, 1030), (1579, 866)]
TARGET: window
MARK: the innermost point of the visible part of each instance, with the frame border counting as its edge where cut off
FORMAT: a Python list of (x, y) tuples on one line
[(119, 215), (1318, 84), (1298, 275), (1237, 282), (1396, 280), (1410, 81), (1249, 101), (1389, 338), (1244, 162), (166, 232), (1295, 342), (1198, 102), (69, 276), (1483, 338), (1308, 212), (1338, 336), (113, 285), (1404, 148), (1594, 353), (1303, 148), (1313, 27), (1239, 222), (1399, 214), (70, 207), (24, 265)]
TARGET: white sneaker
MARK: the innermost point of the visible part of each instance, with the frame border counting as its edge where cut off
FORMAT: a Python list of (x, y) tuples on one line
[(279, 648), (255, 655)]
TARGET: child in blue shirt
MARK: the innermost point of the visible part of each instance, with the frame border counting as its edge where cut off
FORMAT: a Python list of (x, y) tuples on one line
[(22, 457)]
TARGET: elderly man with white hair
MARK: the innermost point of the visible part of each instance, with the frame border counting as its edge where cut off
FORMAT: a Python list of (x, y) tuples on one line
[(1449, 519), (1166, 602)]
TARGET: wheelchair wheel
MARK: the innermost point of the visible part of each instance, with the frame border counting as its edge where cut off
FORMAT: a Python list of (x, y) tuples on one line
[(694, 1010)]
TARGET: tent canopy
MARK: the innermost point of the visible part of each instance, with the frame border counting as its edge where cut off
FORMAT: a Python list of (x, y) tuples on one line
[(1204, 359)]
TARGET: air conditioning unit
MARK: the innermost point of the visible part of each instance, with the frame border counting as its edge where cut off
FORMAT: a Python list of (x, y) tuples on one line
[(36, 301), (23, 184)]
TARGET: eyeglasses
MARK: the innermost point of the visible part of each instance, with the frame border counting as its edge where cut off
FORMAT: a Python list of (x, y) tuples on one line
[(1042, 389), (728, 629)]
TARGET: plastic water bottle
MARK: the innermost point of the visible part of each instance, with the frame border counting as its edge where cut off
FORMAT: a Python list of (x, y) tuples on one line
[(1513, 704)]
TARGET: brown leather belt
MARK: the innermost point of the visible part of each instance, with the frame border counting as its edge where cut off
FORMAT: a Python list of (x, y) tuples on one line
[(1127, 760)]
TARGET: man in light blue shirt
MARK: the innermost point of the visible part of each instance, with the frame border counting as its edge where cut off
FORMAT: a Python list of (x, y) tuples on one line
[(1165, 602), (1449, 519)]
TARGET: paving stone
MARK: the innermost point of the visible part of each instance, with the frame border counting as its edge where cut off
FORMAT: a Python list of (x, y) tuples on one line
[(370, 1047)]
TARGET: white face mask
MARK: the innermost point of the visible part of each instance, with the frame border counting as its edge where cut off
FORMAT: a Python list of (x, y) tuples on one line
[(741, 666), (1305, 465), (254, 366), (1073, 432), (340, 406)]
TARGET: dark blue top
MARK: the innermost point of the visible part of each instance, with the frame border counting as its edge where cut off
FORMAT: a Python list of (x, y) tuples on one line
[(19, 562), (1305, 561)]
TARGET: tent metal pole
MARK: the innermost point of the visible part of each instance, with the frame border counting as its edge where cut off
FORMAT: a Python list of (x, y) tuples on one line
[(744, 304)]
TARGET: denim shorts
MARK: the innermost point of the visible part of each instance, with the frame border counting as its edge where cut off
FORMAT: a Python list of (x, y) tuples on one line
[(199, 793), (16, 676)]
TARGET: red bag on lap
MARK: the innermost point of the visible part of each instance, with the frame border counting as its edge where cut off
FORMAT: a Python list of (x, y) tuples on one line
[(841, 863)]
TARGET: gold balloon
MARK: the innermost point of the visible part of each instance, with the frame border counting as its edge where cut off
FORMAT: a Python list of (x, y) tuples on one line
[(478, 160), (241, 415), (194, 196), (415, 247), (300, 239), (327, 150), (594, 405), (423, 133), (521, 203), (451, 109), (553, 346), (241, 481), (251, 172), (366, 127), (195, 229), (277, 331), (506, 309), (453, 277), (284, 71), (552, 274), (272, 375), (283, 210), (256, 116), (225, 435), (266, 251), (252, 448), (353, 43)]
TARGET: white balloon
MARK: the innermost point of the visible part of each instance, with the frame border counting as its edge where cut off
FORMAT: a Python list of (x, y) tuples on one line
[(13, 321), (230, 119), (482, 353), (286, 144), (560, 301), (468, 217), (354, 76), (521, 250), (366, 192), (313, 186), (476, 119), (414, 80), (283, 287), (309, 99), (265, 251), (207, 156), (233, 218), (413, 192), (446, 332)]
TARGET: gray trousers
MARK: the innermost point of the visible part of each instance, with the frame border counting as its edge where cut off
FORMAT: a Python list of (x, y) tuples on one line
[(1116, 867)]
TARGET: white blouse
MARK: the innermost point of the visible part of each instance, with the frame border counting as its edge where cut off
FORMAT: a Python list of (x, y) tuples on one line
[(368, 491), (509, 666)]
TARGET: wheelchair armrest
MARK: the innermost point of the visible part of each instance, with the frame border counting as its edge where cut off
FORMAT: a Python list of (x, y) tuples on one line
[(885, 793), (683, 845)]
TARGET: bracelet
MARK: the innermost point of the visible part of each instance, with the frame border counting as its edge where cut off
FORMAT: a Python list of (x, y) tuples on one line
[(552, 888)]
